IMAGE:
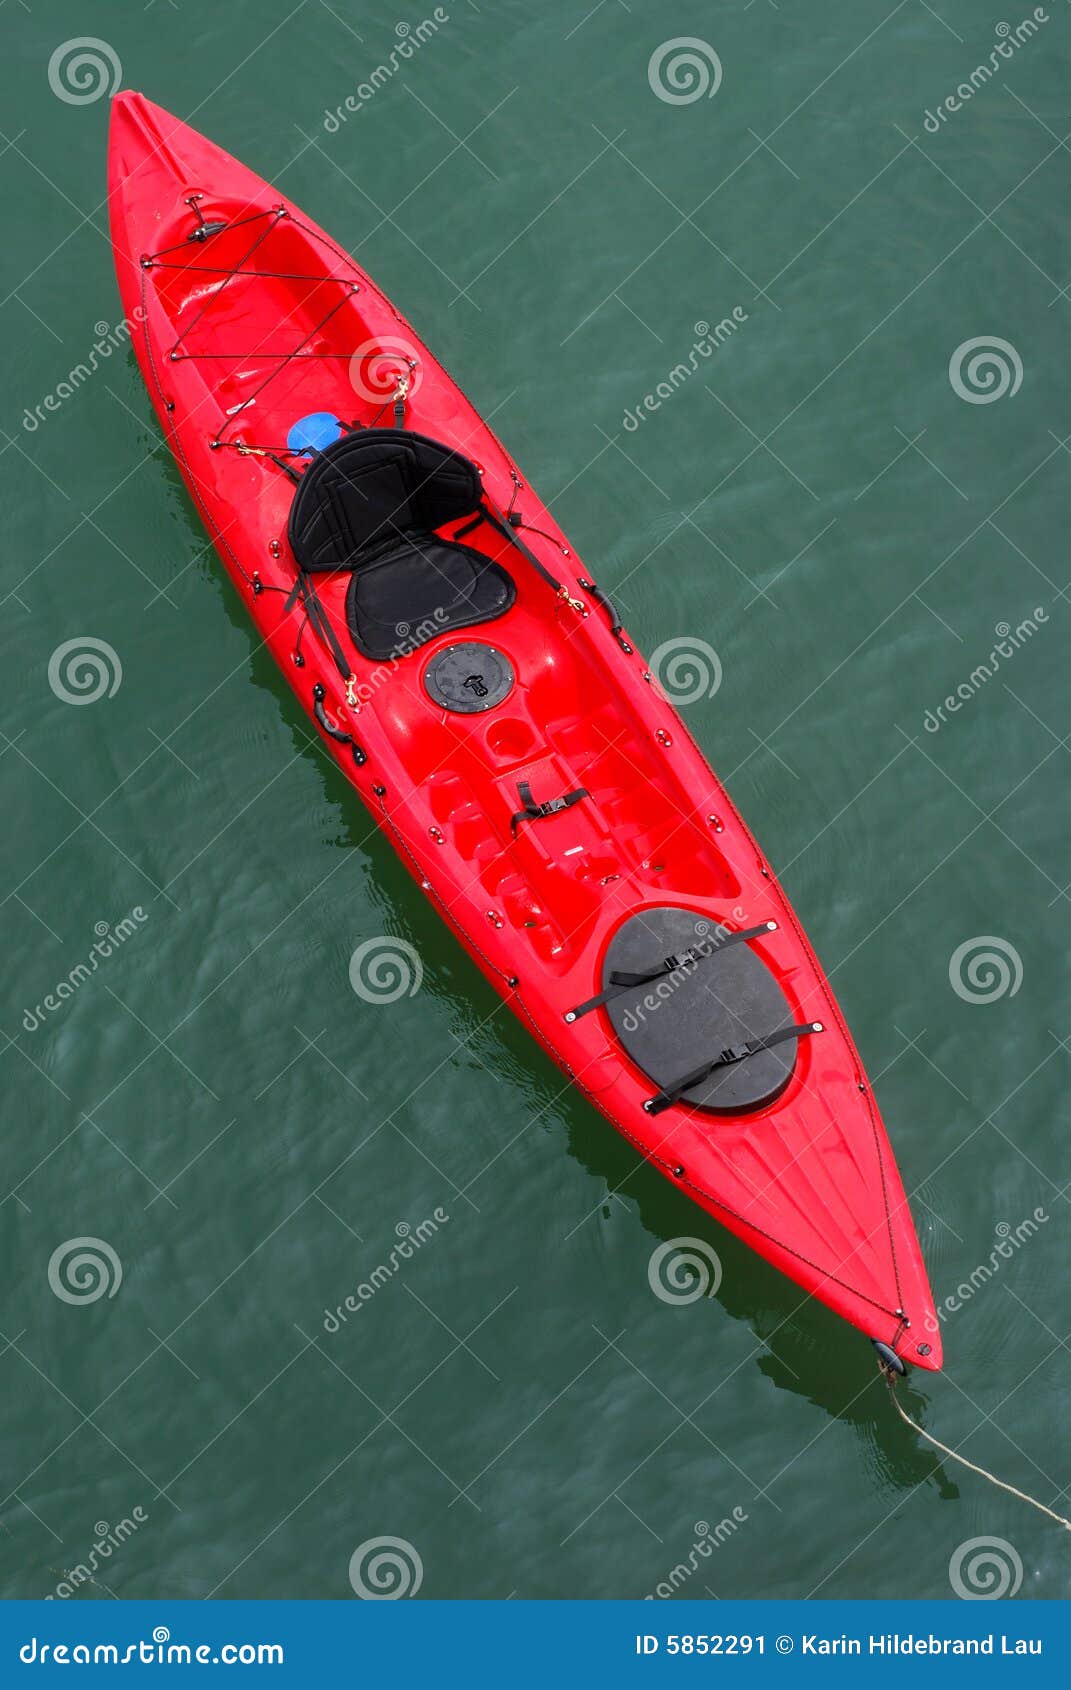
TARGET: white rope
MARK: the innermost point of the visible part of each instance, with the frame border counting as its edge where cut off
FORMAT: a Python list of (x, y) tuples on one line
[(890, 1380)]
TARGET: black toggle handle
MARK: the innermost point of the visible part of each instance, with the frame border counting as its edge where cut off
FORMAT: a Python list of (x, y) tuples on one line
[(616, 625), (359, 755)]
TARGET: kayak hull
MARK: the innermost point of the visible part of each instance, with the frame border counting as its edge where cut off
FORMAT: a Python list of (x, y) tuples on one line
[(246, 317)]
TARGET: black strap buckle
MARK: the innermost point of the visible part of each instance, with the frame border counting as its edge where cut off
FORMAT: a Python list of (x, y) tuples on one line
[(734, 1053), (530, 811)]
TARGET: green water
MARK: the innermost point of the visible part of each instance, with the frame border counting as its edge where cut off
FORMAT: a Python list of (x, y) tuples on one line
[(846, 530)]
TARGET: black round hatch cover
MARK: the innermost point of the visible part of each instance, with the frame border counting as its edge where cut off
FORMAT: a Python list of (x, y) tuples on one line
[(469, 677), (672, 1025)]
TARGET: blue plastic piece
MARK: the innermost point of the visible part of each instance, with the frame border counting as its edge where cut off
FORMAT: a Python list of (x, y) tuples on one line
[(314, 432)]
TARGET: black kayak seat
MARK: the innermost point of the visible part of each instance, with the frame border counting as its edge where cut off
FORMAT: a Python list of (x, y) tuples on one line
[(370, 504)]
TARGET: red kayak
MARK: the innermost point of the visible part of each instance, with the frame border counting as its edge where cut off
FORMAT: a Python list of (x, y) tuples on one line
[(479, 691)]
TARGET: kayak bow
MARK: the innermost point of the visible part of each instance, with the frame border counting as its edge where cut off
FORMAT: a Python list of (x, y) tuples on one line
[(480, 693)]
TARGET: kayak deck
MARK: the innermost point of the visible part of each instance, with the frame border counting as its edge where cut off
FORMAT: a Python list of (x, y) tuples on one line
[(250, 319)]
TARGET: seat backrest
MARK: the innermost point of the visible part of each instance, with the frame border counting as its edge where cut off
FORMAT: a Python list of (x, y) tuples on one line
[(370, 487)]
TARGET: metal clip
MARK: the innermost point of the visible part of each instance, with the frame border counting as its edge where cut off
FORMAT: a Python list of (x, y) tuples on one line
[(574, 604), (351, 695)]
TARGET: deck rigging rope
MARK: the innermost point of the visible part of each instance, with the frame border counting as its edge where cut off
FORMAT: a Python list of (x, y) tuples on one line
[(983, 1472)]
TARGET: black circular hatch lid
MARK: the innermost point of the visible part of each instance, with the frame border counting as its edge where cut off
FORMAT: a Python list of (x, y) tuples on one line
[(670, 1027), (469, 677)]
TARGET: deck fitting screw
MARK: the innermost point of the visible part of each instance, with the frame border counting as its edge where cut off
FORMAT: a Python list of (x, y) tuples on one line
[(513, 980), (924, 1349), (570, 1015), (678, 1173), (380, 791)]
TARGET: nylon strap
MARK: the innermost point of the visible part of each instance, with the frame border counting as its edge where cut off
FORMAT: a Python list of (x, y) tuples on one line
[(508, 532), (734, 1053), (620, 982), (303, 589), (533, 812)]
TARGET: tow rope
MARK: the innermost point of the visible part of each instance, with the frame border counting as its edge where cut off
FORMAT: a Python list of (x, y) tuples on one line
[(890, 1378)]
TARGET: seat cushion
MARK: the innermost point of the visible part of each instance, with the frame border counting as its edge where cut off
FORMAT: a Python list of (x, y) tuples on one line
[(422, 586)]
